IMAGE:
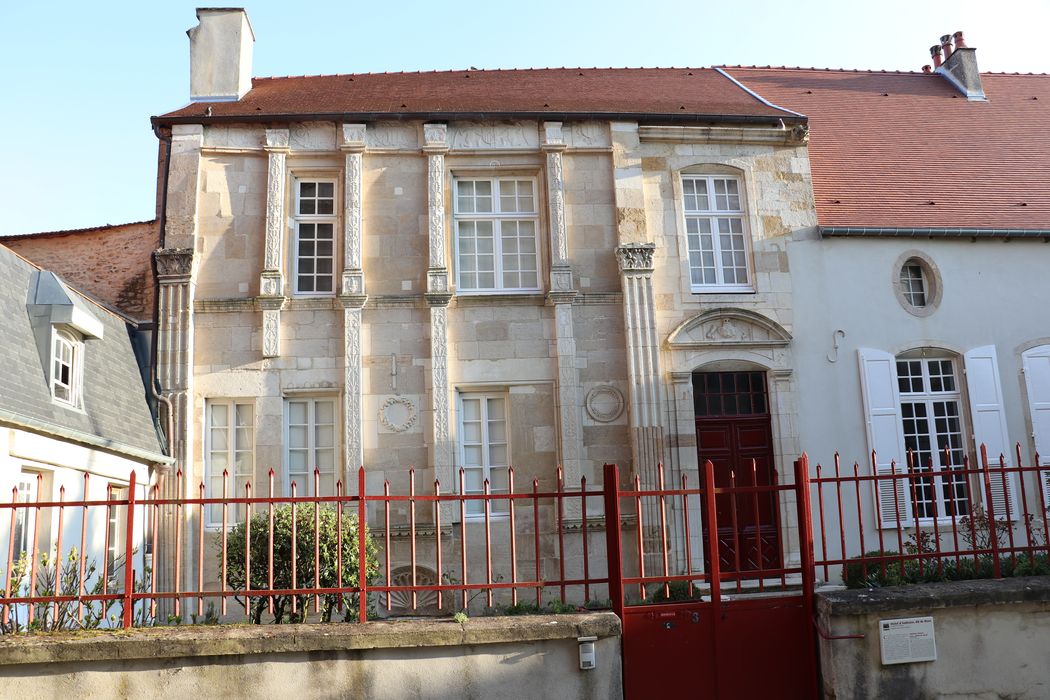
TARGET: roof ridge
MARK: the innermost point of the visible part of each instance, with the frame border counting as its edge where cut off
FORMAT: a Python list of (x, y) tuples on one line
[(60, 232), (481, 70), (828, 70)]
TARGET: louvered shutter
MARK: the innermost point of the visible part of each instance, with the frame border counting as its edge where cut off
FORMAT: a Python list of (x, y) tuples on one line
[(1036, 363), (882, 408), (989, 424)]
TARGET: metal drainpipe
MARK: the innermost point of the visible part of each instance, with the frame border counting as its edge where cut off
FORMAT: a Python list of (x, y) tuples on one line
[(161, 222)]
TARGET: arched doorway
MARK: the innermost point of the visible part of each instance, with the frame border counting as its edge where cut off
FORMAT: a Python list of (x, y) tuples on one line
[(734, 431)]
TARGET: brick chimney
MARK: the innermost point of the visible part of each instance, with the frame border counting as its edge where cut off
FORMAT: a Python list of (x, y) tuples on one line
[(220, 55), (960, 68)]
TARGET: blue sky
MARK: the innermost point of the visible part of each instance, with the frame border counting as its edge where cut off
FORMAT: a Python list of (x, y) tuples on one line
[(82, 79)]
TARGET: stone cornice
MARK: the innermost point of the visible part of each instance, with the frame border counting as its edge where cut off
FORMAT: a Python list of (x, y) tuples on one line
[(797, 135)]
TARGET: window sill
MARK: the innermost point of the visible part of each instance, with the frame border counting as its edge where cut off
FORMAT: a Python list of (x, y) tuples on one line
[(722, 290), (489, 298)]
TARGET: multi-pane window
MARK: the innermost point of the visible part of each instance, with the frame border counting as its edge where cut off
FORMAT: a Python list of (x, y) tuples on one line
[(315, 225), (310, 425), (729, 394), (229, 447), (497, 223), (715, 233), (23, 534), (66, 372), (931, 418), (484, 451), (913, 284), (117, 525)]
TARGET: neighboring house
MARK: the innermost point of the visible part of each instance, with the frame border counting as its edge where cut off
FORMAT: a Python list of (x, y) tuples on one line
[(73, 403), (111, 263), (475, 269), (921, 315)]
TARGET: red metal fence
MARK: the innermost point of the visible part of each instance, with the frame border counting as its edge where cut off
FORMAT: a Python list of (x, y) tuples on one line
[(594, 546), (926, 521)]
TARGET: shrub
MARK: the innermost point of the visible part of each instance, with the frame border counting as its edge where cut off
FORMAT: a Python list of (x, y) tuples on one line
[(328, 559)]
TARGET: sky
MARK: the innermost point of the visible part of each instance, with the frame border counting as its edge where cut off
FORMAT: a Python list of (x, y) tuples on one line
[(81, 79)]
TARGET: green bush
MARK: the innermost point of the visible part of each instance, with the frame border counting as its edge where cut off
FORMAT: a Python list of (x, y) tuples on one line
[(328, 558), (867, 571)]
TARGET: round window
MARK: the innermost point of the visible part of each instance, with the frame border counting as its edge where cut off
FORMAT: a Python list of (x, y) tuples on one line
[(917, 283)]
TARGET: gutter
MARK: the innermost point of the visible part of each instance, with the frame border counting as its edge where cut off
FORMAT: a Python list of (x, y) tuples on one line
[(57, 431), (168, 436), (641, 117), (932, 232)]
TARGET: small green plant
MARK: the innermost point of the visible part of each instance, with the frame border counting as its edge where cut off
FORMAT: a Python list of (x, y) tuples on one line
[(329, 562), (460, 617)]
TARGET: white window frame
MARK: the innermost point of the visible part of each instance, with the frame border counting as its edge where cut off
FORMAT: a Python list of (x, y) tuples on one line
[(117, 529), (711, 215), (27, 493), (65, 339), (298, 219), (916, 298), (237, 477), (497, 217), (928, 398), (498, 508), (312, 447)]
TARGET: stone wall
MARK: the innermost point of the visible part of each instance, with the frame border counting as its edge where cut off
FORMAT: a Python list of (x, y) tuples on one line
[(992, 638), (526, 657), (111, 263)]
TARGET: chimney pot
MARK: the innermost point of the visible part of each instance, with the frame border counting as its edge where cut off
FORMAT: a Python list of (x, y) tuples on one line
[(935, 54), (220, 55), (946, 46), (960, 43)]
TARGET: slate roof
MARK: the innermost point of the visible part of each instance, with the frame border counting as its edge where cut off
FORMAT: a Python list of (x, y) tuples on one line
[(115, 413), (893, 149), (662, 94)]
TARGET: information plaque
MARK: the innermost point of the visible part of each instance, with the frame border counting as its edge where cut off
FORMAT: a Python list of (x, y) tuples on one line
[(907, 640)]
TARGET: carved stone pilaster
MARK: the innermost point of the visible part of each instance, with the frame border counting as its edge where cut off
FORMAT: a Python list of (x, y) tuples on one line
[(271, 281), (353, 279), (435, 137), (353, 456), (439, 393), (554, 145), (174, 374)]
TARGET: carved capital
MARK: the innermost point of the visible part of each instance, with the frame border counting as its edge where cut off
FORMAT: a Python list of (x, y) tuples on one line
[(552, 137), (277, 139), (636, 257), (352, 137), (173, 263), (437, 280), (435, 137), (438, 299), (271, 284)]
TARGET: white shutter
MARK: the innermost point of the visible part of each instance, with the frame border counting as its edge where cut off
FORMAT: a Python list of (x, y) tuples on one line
[(882, 408), (989, 423), (1036, 363)]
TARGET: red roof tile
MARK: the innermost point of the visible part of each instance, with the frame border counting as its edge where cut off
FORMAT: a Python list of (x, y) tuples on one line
[(908, 150), (678, 93)]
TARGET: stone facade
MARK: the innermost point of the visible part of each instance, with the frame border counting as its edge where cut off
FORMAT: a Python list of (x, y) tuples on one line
[(593, 367)]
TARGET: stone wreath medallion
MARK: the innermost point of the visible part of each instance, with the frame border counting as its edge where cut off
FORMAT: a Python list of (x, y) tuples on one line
[(604, 403), (397, 414)]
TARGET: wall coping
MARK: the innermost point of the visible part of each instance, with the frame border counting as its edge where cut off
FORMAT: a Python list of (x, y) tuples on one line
[(232, 640), (946, 594)]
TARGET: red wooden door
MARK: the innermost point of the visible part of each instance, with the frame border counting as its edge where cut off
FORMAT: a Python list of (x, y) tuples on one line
[(733, 430)]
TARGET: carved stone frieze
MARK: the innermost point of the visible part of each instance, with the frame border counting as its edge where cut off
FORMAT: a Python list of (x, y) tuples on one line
[(277, 138), (588, 135), (440, 390), (436, 208), (553, 134), (495, 136), (275, 175), (729, 327), (391, 135), (636, 257), (173, 262), (556, 195), (312, 136), (435, 136)]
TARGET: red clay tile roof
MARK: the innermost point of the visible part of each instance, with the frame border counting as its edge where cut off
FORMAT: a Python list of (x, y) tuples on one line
[(908, 150), (663, 93)]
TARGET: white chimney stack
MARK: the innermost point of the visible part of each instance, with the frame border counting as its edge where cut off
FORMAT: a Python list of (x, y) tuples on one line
[(220, 55)]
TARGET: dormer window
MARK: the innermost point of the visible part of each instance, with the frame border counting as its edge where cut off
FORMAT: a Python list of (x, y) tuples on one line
[(66, 367)]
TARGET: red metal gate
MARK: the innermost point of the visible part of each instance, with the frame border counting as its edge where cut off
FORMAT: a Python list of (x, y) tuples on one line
[(739, 633)]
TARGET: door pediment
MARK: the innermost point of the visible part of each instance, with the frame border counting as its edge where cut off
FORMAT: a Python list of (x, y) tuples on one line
[(729, 328)]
